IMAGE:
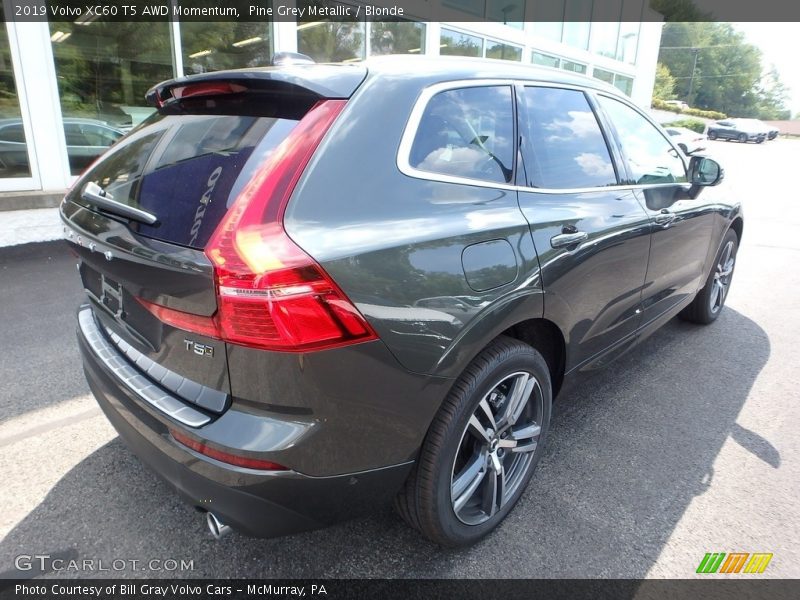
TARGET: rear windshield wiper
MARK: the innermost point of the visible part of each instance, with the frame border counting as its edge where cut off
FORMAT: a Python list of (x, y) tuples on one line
[(96, 195)]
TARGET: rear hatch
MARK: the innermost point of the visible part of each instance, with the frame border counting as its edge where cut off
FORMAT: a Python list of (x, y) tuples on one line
[(141, 217)]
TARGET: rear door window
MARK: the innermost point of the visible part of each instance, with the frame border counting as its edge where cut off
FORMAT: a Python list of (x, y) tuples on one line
[(186, 169), (467, 132), (569, 150)]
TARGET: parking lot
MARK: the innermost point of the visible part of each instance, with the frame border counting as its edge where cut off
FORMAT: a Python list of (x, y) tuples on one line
[(685, 446)]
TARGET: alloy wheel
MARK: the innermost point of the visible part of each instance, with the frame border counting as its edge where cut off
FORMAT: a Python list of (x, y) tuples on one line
[(497, 448), (722, 278)]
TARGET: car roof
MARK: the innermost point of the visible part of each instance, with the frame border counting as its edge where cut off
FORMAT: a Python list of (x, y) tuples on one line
[(450, 68)]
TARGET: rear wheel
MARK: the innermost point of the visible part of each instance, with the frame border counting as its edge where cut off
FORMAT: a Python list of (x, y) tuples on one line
[(743, 138), (482, 447), (708, 303)]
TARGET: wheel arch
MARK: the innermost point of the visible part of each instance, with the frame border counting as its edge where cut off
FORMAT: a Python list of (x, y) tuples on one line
[(738, 226), (547, 338)]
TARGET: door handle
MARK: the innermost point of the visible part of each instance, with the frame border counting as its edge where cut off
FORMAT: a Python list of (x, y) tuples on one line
[(568, 239), (665, 217)]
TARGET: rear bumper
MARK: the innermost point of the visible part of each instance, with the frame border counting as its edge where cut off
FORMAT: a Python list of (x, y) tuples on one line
[(258, 503)]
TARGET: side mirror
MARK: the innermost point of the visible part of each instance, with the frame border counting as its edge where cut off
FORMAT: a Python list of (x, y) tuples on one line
[(703, 171)]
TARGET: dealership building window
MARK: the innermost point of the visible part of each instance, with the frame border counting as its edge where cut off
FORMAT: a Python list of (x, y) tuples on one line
[(228, 45), (14, 160), (453, 43), (404, 37)]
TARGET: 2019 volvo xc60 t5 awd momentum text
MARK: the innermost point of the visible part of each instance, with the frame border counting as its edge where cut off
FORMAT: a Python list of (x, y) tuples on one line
[(312, 289)]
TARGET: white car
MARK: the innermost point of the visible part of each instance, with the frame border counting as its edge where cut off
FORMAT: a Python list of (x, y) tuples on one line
[(687, 140)]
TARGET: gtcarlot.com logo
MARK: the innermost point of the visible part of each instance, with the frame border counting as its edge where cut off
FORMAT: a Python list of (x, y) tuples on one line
[(734, 562), (45, 563)]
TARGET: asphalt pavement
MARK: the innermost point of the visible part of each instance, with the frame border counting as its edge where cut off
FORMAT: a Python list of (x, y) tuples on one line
[(686, 445)]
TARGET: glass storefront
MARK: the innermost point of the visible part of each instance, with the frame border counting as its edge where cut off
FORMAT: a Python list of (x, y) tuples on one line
[(453, 43), (14, 160), (229, 45), (546, 60), (403, 37), (103, 71), (331, 42), (503, 51)]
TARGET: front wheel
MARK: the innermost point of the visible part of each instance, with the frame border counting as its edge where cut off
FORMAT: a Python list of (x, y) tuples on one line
[(482, 447), (708, 303), (712, 135)]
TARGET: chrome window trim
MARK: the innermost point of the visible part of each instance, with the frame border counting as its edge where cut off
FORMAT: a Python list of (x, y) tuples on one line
[(410, 132)]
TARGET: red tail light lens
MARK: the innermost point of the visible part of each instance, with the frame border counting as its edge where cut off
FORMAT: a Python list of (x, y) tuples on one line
[(271, 294), (231, 459)]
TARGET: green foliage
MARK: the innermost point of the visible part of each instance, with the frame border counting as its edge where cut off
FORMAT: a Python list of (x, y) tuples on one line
[(695, 112), (693, 124), (714, 68), (706, 114), (665, 83)]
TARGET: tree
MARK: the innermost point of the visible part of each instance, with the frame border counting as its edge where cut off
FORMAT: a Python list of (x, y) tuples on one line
[(665, 83), (716, 69)]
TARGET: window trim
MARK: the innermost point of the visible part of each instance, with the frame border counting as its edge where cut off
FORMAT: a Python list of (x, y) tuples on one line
[(412, 124)]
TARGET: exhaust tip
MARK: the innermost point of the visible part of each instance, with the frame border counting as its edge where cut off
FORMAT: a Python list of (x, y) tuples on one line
[(217, 528)]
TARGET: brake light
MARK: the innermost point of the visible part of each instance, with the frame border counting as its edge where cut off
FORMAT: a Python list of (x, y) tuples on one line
[(206, 89), (270, 293), (226, 457)]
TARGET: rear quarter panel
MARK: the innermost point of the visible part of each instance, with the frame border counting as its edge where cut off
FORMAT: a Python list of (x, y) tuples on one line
[(394, 243)]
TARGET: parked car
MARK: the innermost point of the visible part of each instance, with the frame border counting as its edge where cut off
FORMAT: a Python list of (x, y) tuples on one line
[(86, 140), (267, 321), (769, 130), (741, 130), (677, 103), (687, 140)]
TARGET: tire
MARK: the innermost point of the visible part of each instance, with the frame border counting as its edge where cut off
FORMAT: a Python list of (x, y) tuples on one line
[(449, 496), (760, 140), (683, 148), (712, 135), (743, 138), (710, 300)]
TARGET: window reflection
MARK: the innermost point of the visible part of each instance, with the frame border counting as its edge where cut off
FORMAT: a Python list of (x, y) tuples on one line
[(651, 158), (569, 150), (503, 51), (328, 41), (454, 43), (13, 147), (404, 37), (468, 133), (103, 72), (230, 45)]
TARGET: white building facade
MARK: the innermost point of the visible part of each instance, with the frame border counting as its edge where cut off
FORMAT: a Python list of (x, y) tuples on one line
[(67, 88)]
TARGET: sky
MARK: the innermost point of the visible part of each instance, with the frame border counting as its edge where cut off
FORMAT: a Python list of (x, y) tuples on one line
[(780, 45)]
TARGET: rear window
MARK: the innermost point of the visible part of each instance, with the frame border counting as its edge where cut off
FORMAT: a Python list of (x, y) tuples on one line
[(467, 132), (186, 169)]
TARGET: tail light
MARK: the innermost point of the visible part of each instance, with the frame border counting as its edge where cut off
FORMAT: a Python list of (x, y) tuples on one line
[(270, 293)]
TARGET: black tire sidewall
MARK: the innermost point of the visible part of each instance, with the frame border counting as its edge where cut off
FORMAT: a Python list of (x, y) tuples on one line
[(524, 359)]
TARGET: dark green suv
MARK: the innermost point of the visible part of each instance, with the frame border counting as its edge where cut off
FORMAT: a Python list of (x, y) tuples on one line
[(312, 289)]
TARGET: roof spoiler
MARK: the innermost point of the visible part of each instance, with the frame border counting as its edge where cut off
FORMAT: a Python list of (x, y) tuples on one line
[(302, 82)]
